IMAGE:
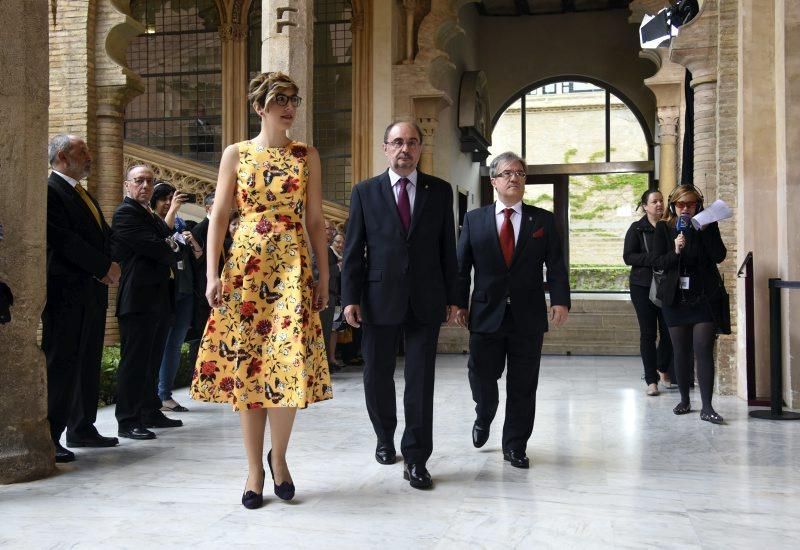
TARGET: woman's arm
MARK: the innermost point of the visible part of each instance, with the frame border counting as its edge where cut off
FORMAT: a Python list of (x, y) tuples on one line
[(315, 225), (632, 252), (663, 253), (218, 221)]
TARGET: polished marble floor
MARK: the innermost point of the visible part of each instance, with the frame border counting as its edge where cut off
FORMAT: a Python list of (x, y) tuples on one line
[(611, 468)]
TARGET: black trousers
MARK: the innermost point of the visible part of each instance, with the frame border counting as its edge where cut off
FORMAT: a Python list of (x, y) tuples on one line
[(72, 340), (651, 325), (488, 354), (379, 348), (142, 338)]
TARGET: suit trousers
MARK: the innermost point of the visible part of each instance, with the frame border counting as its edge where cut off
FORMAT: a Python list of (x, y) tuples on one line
[(379, 348), (143, 337), (488, 353), (72, 340)]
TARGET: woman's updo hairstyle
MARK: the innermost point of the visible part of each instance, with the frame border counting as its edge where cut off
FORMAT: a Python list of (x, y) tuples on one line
[(646, 197), (265, 86)]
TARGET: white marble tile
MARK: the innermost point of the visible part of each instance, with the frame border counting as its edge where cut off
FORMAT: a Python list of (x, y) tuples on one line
[(612, 468)]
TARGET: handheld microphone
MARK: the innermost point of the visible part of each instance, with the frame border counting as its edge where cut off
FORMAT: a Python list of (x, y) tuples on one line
[(683, 224)]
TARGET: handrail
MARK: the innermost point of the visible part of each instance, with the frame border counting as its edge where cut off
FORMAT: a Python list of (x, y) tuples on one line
[(746, 272), (776, 411), (748, 260)]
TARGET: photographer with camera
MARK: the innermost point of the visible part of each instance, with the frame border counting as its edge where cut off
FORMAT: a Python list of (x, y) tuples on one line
[(165, 202)]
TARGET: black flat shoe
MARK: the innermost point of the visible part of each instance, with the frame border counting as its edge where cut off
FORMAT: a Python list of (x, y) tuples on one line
[(711, 416), (92, 441), (682, 408), (479, 435), (159, 420), (137, 432), (252, 500), (284, 491), (518, 459), (385, 453), (63, 455), (417, 476)]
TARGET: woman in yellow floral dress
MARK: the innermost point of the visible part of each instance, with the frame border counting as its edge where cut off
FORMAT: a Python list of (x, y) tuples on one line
[(262, 349)]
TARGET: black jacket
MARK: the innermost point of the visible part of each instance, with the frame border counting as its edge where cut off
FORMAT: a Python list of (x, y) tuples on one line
[(147, 261), (538, 245), (78, 250), (387, 271), (703, 251), (636, 254)]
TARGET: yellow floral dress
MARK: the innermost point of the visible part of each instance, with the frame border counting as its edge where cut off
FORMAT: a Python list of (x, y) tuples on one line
[(263, 347)]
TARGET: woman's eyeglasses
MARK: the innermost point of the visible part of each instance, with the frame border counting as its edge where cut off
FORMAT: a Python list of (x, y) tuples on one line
[(283, 100), (685, 204)]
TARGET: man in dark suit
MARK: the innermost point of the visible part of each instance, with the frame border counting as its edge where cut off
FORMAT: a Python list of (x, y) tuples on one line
[(79, 270), (398, 274), (145, 305), (201, 308), (508, 243)]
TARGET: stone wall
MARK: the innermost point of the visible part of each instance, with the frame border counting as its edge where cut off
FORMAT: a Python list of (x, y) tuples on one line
[(26, 451)]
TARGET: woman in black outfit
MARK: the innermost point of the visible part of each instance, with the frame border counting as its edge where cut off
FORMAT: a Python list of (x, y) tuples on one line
[(689, 258), (638, 254)]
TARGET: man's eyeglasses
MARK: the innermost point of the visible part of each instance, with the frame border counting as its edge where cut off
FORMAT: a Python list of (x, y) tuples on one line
[(506, 174), (142, 181), (687, 204), (283, 99), (399, 143)]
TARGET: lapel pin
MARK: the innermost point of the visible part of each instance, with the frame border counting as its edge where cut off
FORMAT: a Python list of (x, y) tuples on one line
[(530, 218)]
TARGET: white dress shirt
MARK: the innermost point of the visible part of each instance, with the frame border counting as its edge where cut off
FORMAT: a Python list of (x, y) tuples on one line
[(516, 217), (69, 180), (411, 187)]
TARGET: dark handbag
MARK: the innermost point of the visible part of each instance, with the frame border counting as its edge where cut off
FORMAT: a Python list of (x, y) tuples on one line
[(655, 282), (720, 304)]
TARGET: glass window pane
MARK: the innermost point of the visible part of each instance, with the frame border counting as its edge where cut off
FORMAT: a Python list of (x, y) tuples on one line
[(627, 139), (601, 208), (507, 133), (180, 61)]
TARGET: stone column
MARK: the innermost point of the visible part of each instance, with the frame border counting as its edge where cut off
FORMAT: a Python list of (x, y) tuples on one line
[(26, 451), (667, 86), (426, 114), (409, 6), (234, 82), (288, 46), (668, 138)]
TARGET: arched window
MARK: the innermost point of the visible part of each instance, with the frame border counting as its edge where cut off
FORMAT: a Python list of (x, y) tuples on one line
[(333, 93), (179, 58), (589, 161)]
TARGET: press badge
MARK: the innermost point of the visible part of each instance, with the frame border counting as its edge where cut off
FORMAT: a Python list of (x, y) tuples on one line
[(684, 283), (180, 266)]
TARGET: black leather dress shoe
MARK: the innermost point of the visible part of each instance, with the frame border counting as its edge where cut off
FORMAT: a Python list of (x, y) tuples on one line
[(161, 421), (136, 432), (418, 476), (93, 441), (518, 459), (479, 435), (62, 454), (385, 453)]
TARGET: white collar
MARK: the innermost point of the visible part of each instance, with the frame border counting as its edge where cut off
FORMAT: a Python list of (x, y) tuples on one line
[(69, 180), (499, 207), (394, 177)]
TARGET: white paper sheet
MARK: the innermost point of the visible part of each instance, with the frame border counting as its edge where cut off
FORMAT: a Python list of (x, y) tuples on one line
[(717, 211)]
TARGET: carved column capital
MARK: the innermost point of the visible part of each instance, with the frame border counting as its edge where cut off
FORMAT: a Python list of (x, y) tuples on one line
[(668, 118), (112, 100), (232, 32)]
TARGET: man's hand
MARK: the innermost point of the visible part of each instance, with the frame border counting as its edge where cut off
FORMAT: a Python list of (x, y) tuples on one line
[(113, 275), (558, 315), (462, 314), (450, 313), (352, 315)]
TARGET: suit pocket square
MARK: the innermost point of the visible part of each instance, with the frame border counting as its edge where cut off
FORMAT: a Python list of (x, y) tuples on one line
[(539, 233)]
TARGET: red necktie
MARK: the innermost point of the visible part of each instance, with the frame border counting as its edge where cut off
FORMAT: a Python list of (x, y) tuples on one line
[(403, 204), (507, 236)]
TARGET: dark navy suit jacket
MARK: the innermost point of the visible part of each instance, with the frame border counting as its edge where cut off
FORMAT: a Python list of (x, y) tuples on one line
[(538, 245), (387, 270)]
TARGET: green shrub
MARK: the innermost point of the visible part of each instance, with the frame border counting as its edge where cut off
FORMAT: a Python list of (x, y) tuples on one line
[(110, 364), (598, 277)]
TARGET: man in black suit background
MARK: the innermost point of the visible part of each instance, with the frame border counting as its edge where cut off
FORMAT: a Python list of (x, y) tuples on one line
[(79, 270), (398, 274), (507, 243), (201, 308), (145, 305)]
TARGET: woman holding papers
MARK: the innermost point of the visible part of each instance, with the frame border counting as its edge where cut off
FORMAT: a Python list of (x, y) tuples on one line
[(689, 257)]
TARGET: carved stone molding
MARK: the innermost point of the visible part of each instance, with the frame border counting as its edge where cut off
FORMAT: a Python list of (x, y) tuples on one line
[(668, 118)]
